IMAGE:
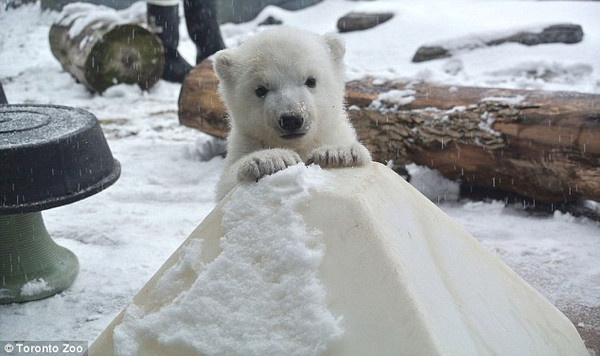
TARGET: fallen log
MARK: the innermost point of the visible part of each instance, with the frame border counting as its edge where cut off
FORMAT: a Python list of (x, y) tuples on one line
[(542, 145), (99, 48), (560, 33)]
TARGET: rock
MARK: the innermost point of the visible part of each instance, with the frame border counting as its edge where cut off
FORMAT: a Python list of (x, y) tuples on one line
[(561, 33), (426, 53), (566, 33), (269, 21), (357, 21), (399, 276)]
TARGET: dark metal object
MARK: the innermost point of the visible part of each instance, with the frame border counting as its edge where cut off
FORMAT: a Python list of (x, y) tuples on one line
[(51, 156)]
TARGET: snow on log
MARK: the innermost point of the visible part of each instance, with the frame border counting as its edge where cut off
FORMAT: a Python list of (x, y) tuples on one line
[(348, 261), (542, 145), (102, 47)]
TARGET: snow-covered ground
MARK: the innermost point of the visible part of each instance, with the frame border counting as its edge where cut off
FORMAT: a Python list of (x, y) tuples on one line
[(123, 234)]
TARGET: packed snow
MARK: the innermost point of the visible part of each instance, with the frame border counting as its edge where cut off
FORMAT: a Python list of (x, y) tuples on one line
[(261, 295), (35, 287), (80, 15), (125, 233), (392, 100)]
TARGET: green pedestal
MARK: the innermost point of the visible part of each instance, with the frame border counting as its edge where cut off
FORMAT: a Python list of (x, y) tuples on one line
[(32, 265), (49, 156)]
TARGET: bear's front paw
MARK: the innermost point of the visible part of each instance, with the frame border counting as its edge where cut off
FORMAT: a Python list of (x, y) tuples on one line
[(340, 156), (262, 163)]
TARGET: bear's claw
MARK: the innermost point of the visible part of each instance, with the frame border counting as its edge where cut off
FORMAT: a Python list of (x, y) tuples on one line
[(340, 156), (266, 162)]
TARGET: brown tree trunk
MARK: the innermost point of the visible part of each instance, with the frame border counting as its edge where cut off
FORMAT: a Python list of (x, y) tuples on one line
[(543, 145), (104, 54)]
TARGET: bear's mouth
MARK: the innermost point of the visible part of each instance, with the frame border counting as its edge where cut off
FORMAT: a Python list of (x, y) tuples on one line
[(292, 136)]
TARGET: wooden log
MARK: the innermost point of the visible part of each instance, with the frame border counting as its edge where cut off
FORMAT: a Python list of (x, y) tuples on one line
[(542, 145), (101, 51), (200, 106)]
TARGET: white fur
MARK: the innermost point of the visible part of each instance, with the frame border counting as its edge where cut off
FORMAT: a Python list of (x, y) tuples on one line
[(281, 60)]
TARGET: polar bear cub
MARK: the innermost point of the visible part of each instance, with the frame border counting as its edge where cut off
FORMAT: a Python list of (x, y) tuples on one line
[(284, 92)]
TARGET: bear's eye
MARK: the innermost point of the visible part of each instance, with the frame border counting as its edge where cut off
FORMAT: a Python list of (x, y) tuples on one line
[(311, 82), (261, 91)]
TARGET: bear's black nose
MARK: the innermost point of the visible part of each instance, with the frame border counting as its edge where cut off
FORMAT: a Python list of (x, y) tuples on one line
[(291, 123)]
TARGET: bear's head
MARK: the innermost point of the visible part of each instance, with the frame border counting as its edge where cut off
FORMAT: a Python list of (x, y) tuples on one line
[(283, 86)]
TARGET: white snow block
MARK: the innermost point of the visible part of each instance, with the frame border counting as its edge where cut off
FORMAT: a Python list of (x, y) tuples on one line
[(365, 265)]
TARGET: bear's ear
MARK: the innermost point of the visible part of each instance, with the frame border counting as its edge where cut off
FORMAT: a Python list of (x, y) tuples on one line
[(223, 65), (336, 46)]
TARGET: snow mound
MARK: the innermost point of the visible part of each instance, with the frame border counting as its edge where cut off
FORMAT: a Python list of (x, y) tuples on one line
[(282, 266), (259, 296)]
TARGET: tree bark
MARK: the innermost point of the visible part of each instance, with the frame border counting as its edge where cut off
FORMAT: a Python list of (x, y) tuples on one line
[(200, 106), (542, 145), (104, 54)]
